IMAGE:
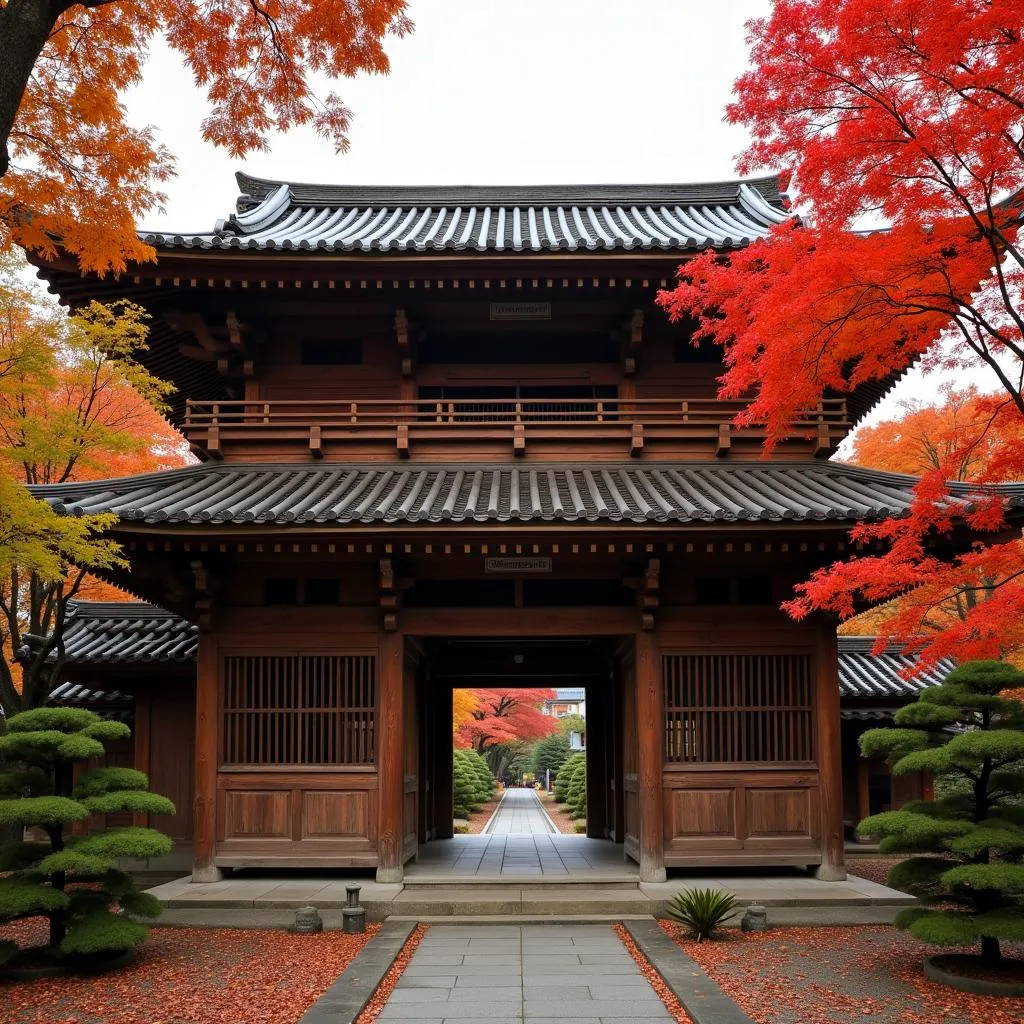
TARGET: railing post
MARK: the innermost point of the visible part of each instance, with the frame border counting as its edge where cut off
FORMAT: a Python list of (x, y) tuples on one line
[(353, 410), (686, 412), (451, 412), (600, 412)]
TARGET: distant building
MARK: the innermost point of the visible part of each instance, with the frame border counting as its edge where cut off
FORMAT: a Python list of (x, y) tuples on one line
[(570, 701)]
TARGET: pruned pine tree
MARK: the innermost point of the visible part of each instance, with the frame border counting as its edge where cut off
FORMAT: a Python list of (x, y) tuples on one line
[(73, 880), (967, 844)]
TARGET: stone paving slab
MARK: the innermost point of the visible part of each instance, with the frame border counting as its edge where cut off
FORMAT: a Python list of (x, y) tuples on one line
[(541, 973)]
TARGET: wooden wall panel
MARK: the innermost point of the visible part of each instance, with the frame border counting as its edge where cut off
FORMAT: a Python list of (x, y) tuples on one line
[(779, 814), (171, 768), (312, 818), (734, 817), (259, 813), (327, 814)]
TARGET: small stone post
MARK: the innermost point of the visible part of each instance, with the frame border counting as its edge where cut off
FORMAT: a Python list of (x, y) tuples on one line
[(308, 921), (755, 919), (353, 916)]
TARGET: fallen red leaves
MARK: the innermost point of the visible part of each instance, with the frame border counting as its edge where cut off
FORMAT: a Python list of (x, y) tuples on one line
[(664, 992), (394, 972), (838, 976), (188, 976)]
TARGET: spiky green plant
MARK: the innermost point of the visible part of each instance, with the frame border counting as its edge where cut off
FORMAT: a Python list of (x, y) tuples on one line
[(701, 910), (970, 838), (73, 880)]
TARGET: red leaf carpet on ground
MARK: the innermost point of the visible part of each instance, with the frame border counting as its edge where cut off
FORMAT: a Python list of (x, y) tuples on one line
[(390, 980), (189, 976), (839, 976)]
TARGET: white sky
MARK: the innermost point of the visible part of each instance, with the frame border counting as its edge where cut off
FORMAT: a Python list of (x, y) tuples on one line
[(493, 92)]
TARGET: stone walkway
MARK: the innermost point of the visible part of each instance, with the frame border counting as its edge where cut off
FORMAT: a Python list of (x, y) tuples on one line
[(520, 813), (520, 856), (508, 974)]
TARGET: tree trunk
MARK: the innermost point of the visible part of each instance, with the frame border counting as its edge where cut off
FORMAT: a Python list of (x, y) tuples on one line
[(991, 954), (25, 25)]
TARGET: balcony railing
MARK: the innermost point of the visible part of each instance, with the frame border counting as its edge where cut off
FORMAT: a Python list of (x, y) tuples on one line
[(319, 425)]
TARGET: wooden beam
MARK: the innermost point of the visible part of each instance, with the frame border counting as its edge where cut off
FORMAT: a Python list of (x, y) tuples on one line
[(724, 440), (830, 766), (518, 439), (189, 320), (235, 333), (519, 621), (636, 444), (402, 441), (204, 846), (316, 448), (650, 756), (390, 757)]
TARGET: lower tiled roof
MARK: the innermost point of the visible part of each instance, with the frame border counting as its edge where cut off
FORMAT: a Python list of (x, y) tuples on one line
[(691, 492), (863, 674), (126, 632)]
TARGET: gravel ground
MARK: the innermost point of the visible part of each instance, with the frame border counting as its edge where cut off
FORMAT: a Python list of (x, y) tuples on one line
[(563, 822), (874, 867), (188, 976), (478, 819), (839, 976)]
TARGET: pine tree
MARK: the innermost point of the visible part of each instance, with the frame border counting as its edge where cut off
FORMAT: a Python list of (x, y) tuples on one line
[(970, 840), (549, 755), (73, 880)]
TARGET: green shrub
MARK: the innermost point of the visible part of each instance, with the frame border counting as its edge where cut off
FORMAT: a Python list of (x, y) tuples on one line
[(573, 764), (549, 754), (580, 826), (45, 878), (701, 910), (472, 782), (969, 840)]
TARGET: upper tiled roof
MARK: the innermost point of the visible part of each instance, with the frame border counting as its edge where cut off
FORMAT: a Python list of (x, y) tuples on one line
[(491, 219), (690, 492), (863, 674), (121, 632)]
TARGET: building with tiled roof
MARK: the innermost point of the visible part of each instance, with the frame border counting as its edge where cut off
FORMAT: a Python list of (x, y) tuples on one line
[(447, 437)]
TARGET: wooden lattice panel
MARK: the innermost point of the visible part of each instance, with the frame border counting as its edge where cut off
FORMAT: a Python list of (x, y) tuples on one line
[(738, 708), (302, 709)]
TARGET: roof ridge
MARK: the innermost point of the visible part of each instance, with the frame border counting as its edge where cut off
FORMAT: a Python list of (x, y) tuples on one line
[(85, 609), (258, 188)]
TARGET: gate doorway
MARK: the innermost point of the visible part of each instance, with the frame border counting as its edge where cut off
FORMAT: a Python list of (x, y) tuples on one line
[(590, 664)]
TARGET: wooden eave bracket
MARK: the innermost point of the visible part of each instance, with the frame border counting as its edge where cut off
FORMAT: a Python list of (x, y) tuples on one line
[(518, 439), (636, 443), (204, 586), (823, 446), (647, 595), (403, 335), (389, 588), (316, 448), (724, 440)]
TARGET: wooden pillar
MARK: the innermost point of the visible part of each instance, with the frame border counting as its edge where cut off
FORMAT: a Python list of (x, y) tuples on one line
[(441, 695), (390, 757), (207, 720), (650, 729), (863, 788), (830, 768), (597, 760)]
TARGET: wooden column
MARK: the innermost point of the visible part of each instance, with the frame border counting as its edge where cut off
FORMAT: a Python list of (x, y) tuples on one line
[(207, 722), (833, 863), (597, 760), (441, 695), (650, 757), (863, 788), (390, 757)]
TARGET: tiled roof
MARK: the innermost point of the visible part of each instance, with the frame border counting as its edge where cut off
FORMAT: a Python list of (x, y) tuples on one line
[(126, 632), (570, 693), (509, 219), (863, 674), (108, 703), (691, 492)]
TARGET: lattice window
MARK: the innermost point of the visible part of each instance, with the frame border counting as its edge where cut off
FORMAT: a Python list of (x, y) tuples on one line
[(304, 709), (738, 708)]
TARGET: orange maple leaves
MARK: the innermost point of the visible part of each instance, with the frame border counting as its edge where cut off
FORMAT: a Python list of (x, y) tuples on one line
[(80, 174)]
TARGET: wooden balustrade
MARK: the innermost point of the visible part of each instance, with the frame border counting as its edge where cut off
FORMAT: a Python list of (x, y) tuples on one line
[(211, 425)]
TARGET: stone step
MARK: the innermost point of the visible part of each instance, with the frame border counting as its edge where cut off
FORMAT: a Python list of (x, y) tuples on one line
[(427, 882)]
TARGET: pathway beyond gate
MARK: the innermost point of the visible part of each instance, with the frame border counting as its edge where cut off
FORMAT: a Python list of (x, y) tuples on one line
[(508, 974), (520, 813)]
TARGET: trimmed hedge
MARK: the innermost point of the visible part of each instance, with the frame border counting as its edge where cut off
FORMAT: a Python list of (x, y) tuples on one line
[(473, 783)]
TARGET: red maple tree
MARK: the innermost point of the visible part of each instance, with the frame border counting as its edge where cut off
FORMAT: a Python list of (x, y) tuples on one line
[(902, 116), (502, 716)]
